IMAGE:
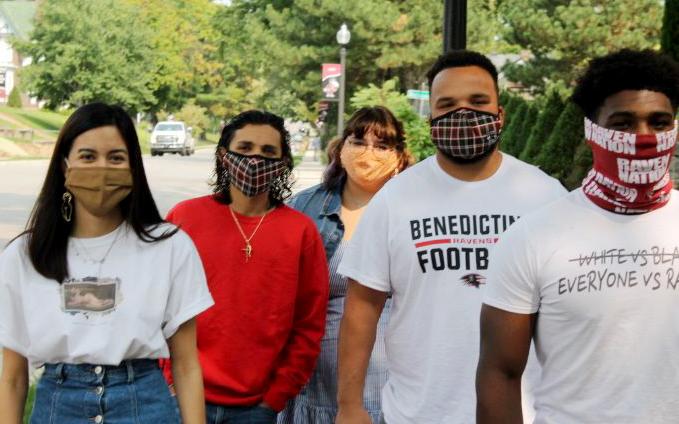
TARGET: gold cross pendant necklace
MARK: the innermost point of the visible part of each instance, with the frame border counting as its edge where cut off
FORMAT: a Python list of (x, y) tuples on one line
[(248, 247)]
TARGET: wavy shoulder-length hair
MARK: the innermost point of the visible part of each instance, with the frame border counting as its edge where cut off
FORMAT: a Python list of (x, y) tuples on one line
[(377, 120), (47, 231), (281, 186)]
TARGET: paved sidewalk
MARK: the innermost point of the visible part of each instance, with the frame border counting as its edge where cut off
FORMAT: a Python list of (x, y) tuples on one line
[(309, 172)]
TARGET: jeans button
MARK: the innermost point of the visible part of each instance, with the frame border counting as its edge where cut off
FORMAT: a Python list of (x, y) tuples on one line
[(98, 369), (98, 419), (100, 390)]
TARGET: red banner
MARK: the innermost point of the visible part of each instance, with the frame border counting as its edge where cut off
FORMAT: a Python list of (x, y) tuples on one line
[(330, 80)]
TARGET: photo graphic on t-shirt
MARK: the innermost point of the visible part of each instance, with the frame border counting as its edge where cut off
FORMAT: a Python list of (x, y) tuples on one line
[(90, 295), (458, 242)]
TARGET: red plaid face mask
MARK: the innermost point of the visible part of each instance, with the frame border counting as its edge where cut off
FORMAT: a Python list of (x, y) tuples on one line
[(466, 133), (252, 175), (631, 172)]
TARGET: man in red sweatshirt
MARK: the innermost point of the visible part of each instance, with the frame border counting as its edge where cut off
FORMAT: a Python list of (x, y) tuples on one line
[(267, 273)]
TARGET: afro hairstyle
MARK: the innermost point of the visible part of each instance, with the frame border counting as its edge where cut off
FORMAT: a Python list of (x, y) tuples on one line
[(626, 70)]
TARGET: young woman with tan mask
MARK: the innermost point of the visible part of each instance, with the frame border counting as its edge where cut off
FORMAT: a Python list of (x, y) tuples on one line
[(99, 287), (371, 151)]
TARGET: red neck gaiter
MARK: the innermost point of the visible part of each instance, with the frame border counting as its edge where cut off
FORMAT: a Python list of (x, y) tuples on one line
[(631, 172)]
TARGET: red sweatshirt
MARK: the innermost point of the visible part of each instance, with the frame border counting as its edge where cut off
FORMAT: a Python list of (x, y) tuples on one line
[(260, 340)]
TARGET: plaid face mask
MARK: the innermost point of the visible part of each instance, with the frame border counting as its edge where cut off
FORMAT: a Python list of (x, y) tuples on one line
[(465, 133), (252, 175)]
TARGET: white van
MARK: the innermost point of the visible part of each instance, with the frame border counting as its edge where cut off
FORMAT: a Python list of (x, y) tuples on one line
[(172, 137)]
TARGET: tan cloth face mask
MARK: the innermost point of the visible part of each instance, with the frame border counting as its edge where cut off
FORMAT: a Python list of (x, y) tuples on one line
[(367, 169), (99, 189)]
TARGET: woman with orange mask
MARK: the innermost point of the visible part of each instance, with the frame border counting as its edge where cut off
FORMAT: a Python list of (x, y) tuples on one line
[(371, 151)]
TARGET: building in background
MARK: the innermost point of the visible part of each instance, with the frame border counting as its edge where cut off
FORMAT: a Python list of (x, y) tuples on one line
[(16, 20)]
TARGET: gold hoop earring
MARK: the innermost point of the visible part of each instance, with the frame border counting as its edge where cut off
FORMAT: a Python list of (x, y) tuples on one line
[(67, 206)]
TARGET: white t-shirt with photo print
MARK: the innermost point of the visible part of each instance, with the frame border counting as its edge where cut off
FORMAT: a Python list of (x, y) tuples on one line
[(124, 308), (606, 290), (426, 238)]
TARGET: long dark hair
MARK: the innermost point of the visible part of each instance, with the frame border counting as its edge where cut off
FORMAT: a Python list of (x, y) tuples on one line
[(380, 121), (47, 231), (281, 186)]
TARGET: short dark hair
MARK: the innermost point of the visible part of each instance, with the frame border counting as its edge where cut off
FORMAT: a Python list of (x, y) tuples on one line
[(47, 232), (459, 59), (281, 187), (376, 119), (626, 70)]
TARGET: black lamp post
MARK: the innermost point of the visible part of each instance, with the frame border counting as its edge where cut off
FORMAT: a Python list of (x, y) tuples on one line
[(455, 25)]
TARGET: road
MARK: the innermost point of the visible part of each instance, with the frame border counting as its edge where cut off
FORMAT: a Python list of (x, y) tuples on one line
[(172, 179)]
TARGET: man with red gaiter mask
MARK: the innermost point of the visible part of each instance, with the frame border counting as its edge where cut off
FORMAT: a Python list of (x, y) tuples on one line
[(593, 278)]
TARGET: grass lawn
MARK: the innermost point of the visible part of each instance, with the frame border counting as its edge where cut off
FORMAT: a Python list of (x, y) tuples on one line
[(37, 118), (30, 399)]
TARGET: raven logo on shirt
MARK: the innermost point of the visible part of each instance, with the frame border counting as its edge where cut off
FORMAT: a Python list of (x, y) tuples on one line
[(473, 280)]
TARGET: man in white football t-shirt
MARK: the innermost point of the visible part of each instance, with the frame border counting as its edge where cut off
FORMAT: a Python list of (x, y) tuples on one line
[(425, 239), (594, 276)]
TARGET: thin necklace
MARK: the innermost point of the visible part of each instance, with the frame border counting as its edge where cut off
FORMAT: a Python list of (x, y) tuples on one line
[(89, 258), (248, 247)]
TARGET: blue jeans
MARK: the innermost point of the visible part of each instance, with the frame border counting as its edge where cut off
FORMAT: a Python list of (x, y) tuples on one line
[(218, 414), (132, 393)]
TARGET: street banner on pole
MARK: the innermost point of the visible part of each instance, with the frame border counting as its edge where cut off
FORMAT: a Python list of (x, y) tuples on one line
[(330, 80)]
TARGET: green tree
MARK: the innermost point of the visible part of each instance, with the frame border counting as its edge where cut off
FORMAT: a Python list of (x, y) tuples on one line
[(14, 99), (510, 107), (512, 132), (418, 137), (556, 157), (529, 121), (184, 40), (562, 35), (582, 163), (390, 38), (87, 50), (195, 117), (543, 127), (670, 29)]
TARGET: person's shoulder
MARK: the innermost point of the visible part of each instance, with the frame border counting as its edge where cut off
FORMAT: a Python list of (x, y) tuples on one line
[(16, 248), (296, 222), (419, 170), (187, 210), (555, 212), (170, 235), (293, 217), (525, 169), (409, 180), (298, 200), (532, 178), (194, 203)]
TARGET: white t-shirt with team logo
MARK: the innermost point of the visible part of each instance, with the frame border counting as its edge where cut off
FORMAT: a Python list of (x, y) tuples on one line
[(124, 309), (426, 237), (606, 290)]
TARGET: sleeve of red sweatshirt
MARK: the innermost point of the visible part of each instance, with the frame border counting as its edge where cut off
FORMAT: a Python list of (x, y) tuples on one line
[(298, 359)]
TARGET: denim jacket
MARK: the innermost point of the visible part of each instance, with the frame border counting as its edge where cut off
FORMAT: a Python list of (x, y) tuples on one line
[(324, 208)]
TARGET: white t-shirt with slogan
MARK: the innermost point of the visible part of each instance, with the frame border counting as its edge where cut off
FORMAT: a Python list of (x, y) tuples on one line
[(605, 287), (426, 238), (125, 309)]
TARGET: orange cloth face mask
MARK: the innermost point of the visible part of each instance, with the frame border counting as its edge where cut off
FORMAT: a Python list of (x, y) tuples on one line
[(367, 168)]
